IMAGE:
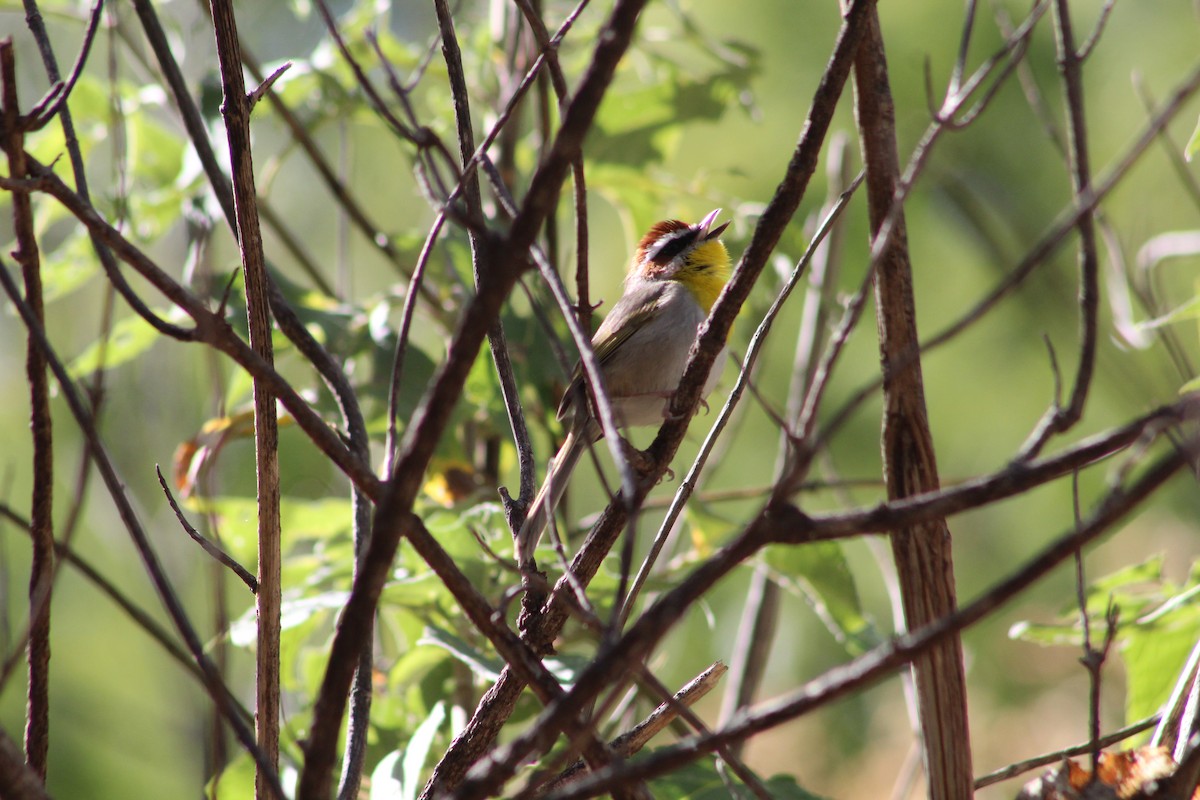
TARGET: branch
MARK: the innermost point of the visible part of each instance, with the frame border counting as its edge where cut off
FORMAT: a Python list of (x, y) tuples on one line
[(499, 700), (637, 737), (236, 111), (1020, 767), (17, 780), (497, 341), (41, 522), (430, 419), (116, 488), (885, 659), (211, 548), (1013, 480), (1058, 419)]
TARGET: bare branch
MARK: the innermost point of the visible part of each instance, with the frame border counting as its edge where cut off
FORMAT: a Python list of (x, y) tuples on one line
[(211, 548), (1013, 770), (268, 599), (1059, 419), (56, 99), (637, 737), (265, 86), (41, 521)]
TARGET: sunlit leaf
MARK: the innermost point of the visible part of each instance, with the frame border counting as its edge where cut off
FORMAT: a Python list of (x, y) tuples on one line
[(821, 573), (486, 666), (1152, 660), (300, 519), (398, 775), (156, 153), (294, 611), (1193, 145), (235, 781), (130, 338), (68, 266)]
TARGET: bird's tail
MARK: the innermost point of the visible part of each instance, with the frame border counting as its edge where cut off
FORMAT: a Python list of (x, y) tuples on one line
[(547, 498)]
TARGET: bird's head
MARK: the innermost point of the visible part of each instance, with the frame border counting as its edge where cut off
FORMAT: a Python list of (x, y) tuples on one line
[(693, 255)]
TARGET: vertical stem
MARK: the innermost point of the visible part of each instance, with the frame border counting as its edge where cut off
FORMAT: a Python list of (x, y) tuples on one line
[(497, 341), (922, 553), (41, 571), (236, 112)]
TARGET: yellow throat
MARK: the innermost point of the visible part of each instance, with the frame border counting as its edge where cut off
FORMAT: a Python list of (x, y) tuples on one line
[(706, 272)]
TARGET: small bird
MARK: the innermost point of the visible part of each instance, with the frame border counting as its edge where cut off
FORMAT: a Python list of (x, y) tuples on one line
[(677, 272)]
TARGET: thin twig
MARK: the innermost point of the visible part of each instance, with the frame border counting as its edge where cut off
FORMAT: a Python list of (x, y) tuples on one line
[(480, 263), (56, 100), (1013, 770), (637, 737), (265, 86), (1059, 419), (212, 548)]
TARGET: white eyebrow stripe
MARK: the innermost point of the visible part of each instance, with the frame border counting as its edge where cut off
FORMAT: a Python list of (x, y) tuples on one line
[(653, 251)]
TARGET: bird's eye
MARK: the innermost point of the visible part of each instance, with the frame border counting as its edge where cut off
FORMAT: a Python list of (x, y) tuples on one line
[(668, 249)]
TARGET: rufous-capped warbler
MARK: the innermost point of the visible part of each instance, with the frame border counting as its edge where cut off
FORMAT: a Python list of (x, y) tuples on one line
[(642, 346)]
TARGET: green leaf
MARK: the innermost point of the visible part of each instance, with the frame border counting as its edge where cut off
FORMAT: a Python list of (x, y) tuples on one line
[(822, 575), (398, 776), (482, 388), (1193, 144), (414, 665), (1159, 625), (300, 520), (68, 266), (1153, 656), (294, 612), (486, 666), (235, 782), (700, 780), (156, 153), (130, 338), (1047, 634), (1131, 590)]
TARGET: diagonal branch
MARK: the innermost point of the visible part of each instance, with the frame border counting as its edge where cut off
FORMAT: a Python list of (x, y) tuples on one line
[(888, 658)]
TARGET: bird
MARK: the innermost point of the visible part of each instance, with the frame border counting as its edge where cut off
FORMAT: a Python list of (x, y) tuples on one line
[(676, 274)]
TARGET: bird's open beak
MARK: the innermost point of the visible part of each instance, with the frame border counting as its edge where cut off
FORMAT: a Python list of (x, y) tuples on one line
[(708, 220)]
